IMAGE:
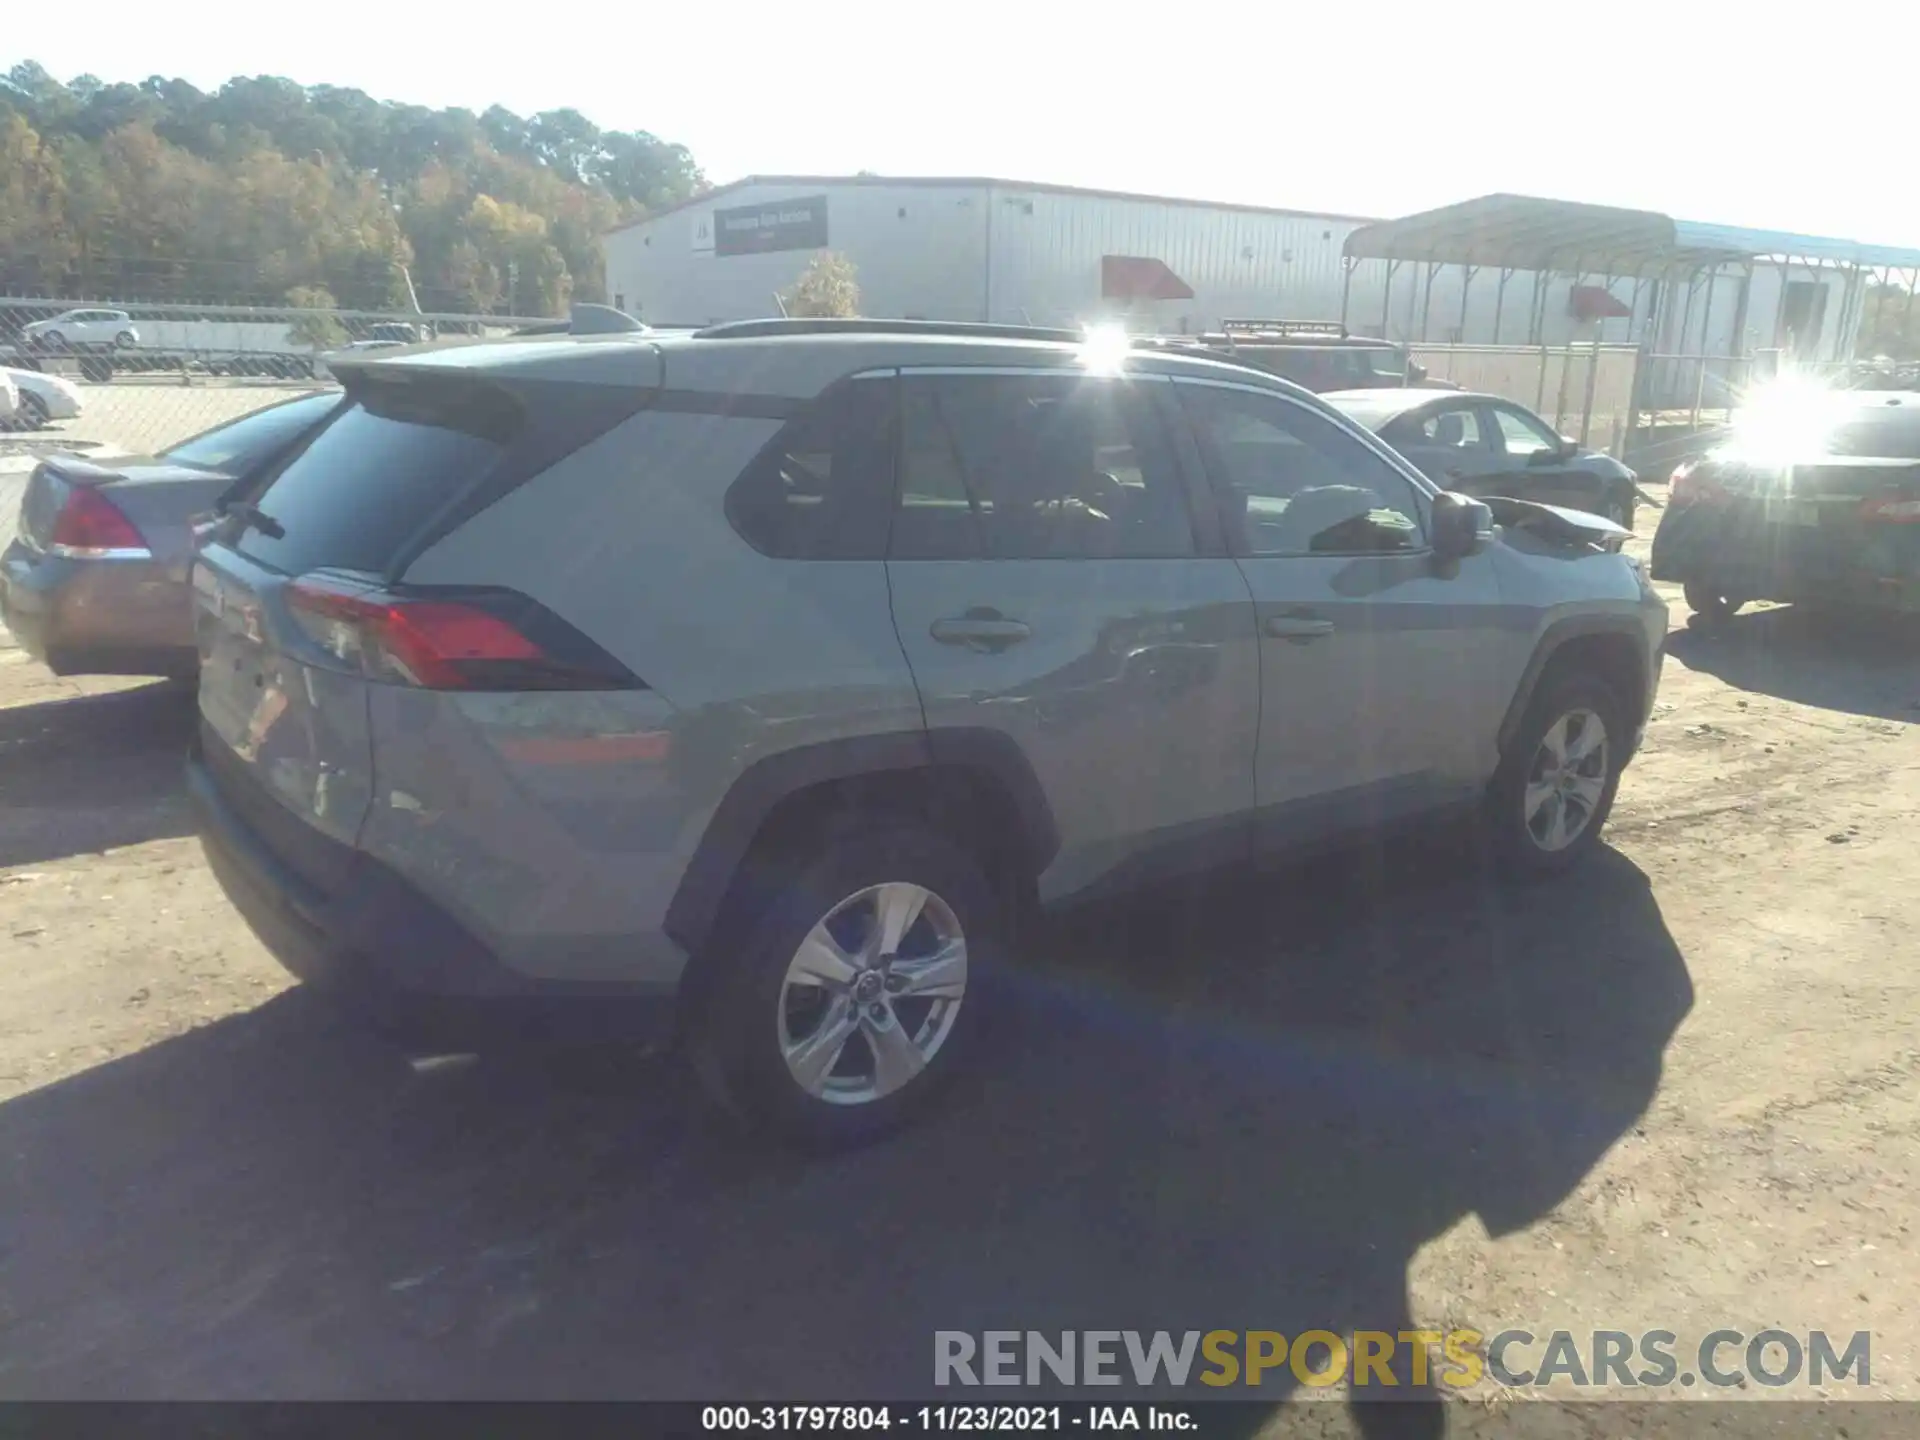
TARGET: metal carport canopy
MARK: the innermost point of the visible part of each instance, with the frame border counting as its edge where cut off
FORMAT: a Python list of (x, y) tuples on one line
[(1522, 232)]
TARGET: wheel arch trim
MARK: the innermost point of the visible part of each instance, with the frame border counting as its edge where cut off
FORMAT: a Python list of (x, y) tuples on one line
[(695, 909), (1553, 640)]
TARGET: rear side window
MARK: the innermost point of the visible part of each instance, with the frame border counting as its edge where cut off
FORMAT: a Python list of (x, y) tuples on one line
[(821, 490), (1035, 467), (367, 484)]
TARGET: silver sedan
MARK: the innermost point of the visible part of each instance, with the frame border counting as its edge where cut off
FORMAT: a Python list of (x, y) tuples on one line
[(95, 581)]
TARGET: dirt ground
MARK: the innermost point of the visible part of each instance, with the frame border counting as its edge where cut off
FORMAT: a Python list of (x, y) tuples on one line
[(1679, 1091)]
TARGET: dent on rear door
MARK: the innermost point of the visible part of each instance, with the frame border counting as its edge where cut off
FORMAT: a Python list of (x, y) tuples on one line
[(299, 726)]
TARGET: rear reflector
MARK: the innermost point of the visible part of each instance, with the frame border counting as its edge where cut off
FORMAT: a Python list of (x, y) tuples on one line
[(90, 527), (467, 640), (1688, 486)]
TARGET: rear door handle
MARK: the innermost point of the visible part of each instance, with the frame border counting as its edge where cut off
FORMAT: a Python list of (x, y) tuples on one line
[(1298, 627), (979, 633)]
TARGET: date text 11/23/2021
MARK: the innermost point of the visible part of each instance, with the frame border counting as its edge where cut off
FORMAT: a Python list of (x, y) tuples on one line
[(963, 1419)]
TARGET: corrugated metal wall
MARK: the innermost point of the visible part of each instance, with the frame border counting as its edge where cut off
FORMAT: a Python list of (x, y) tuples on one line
[(918, 251), (924, 251), (1010, 253), (1047, 248)]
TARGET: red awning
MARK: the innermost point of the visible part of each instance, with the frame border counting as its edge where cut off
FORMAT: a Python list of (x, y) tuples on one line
[(1136, 277), (1596, 302)]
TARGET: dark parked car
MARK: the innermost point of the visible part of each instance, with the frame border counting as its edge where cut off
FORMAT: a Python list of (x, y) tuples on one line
[(1314, 355), (95, 581), (1484, 445), (1814, 500)]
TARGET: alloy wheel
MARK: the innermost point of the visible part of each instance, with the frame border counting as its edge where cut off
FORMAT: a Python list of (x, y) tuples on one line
[(1566, 780), (872, 993)]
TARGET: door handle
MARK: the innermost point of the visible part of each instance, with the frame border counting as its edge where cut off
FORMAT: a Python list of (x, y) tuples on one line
[(1298, 627), (978, 632)]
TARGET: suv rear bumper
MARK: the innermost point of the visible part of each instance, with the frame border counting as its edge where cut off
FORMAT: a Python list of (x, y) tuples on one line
[(389, 949)]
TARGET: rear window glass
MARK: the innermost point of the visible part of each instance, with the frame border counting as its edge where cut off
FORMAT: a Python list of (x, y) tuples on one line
[(238, 446), (374, 477), (1894, 435)]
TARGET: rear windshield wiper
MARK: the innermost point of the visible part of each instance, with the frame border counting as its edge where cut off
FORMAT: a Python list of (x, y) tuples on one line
[(251, 515)]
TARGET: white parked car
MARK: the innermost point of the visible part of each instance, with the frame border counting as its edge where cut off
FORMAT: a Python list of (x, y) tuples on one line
[(75, 329), (42, 399), (9, 399)]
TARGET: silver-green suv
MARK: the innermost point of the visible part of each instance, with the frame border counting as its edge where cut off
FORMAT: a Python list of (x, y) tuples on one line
[(756, 679)]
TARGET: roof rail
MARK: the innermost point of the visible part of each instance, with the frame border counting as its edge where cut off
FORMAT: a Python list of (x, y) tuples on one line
[(1332, 329), (964, 329)]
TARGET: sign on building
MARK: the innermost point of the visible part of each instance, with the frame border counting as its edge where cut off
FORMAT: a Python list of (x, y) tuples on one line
[(763, 229)]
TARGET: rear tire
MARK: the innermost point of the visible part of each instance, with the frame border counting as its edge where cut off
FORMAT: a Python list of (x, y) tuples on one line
[(829, 1045), (33, 413), (1551, 796), (1709, 605)]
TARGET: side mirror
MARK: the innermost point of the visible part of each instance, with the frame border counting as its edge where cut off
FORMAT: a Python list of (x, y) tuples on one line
[(1462, 527)]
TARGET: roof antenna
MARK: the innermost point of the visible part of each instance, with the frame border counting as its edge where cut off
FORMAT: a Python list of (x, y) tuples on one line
[(780, 305)]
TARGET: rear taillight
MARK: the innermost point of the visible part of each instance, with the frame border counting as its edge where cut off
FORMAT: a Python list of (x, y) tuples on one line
[(90, 527), (464, 640), (1891, 509), (1688, 486)]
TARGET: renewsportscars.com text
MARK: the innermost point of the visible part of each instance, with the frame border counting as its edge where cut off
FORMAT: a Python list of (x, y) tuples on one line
[(1454, 1359)]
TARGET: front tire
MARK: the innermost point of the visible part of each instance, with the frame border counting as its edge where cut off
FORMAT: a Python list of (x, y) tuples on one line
[(1709, 604), (1557, 780), (853, 996), (33, 412)]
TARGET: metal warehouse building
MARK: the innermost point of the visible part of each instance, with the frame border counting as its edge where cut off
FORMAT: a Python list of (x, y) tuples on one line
[(973, 249), (1500, 270)]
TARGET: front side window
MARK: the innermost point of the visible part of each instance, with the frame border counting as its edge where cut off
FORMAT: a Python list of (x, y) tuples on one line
[(1522, 435), (821, 490), (1294, 483), (1450, 430), (1034, 467)]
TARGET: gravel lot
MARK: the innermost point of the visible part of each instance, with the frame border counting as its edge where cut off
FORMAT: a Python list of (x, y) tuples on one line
[(1681, 1091)]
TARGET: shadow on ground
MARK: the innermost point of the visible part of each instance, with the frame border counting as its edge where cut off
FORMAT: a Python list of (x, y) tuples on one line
[(1243, 1108), (93, 772), (1864, 664)]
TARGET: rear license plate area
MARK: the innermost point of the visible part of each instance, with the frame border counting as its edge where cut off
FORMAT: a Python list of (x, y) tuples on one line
[(1799, 514)]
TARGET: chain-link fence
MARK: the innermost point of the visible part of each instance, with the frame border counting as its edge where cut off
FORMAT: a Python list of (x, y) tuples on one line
[(1585, 391), (139, 378)]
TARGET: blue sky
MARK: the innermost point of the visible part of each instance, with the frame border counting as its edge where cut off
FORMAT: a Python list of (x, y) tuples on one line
[(1719, 112)]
